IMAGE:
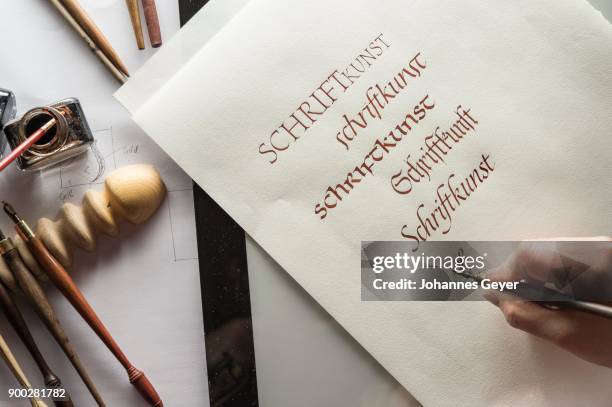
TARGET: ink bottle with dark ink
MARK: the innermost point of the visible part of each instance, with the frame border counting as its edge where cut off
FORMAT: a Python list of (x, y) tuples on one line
[(70, 137)]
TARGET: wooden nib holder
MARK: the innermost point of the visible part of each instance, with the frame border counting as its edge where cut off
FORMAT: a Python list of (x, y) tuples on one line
[(132, 193)]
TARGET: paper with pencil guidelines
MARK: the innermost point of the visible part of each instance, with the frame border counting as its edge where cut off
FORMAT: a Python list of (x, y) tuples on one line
[(317, 125)]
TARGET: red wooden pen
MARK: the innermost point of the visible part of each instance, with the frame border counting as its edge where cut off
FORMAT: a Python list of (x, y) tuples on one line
[(21, 148)]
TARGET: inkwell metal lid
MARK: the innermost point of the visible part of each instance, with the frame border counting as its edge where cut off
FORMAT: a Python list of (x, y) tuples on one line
[(8, 108), (8, 111)]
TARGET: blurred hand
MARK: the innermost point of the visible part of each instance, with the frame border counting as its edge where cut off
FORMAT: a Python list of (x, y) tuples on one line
[(585, 335)]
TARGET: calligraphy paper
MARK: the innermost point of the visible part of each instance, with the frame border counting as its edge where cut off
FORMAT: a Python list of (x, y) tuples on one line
[(320, 124)]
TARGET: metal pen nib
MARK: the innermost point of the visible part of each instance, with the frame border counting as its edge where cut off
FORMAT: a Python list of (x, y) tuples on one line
[(22, 228), (10, 211)]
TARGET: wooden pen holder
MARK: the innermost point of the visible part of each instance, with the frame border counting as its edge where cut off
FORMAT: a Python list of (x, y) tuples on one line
[(132, 193)]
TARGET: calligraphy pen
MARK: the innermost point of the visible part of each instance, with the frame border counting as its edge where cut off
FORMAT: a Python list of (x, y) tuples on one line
[(62, 280), (15, 318), (550, 298), (37, 297)]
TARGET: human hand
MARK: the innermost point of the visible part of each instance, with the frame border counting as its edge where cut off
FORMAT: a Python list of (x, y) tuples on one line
[(585, 335)]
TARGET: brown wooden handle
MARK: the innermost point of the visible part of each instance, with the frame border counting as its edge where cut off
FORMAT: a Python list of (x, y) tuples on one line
[(144, 387), (62, 280), (136, 23), (16, 320), (15, 368), (45, 311), (87, 24), (150, 12)]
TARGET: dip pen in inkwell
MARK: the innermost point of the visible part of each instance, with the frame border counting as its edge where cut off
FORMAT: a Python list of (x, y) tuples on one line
[(62, 280), (32, 139), (38, 299)]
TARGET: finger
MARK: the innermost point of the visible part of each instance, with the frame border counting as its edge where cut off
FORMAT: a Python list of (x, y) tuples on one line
[(554, 325), (583, 334)]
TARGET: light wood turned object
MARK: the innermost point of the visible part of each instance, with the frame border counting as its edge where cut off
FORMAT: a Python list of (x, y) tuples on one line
[(132, 193), (15, 368)]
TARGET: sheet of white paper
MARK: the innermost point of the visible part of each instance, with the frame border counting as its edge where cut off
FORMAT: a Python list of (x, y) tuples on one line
[(144, 284), (535, 75)]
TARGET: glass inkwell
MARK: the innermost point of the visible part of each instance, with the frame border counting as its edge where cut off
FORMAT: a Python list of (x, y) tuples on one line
[(69, 137)]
